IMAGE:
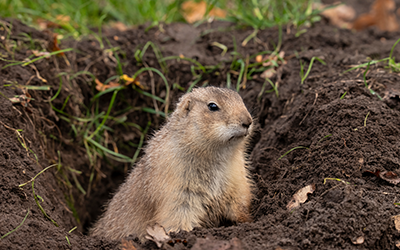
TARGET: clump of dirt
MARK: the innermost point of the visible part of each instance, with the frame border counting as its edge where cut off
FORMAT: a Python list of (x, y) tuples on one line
[(342, 128)]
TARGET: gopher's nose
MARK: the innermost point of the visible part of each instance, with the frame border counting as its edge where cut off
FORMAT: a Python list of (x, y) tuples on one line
[(246, 122)]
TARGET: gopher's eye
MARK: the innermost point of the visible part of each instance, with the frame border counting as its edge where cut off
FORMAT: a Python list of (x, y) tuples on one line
[(213, 107)]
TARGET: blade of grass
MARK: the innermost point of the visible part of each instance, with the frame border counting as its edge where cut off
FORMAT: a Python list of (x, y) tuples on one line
[(134, 158), (150, 95), (310, 66), (298, 147), (194, 84), (273, 87), (35, 196), (365, 120), (153, 111), (106, 116), (158, 54), (121, 157), (162, 77), (366, 84), (36, 87), (242, 67), (15, 229), (185, 59), (38, 58), (336, 179), (365, 64)]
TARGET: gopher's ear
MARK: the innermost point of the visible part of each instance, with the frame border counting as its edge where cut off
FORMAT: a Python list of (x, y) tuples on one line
[(185, 105)]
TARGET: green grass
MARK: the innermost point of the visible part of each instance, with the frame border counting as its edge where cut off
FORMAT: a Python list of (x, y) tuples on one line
[(304, 76), (392, 66), (266, 13), (298, 147), (35, 196), (336, 179), (85, 14), (15, 229), (88, 14)]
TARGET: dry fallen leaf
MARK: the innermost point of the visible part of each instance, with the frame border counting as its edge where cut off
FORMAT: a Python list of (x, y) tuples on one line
[(101, 87), (269, 73), (59, 21), (157, 234), (63, 19), (129, 80), (193, 11), (358, 241), (396, 219), (120, 26), (127, 245), (270, 59), (391, 94), (212, 244), (388, 176), (23, 99), (340, 16), (41, 53), (53, 44), (381, 15), (300, 196), (273, 60)]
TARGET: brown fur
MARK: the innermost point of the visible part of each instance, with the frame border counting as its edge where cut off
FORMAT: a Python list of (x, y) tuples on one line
[(193, 172)]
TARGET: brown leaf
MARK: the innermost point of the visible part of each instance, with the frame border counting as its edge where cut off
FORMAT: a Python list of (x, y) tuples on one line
[(118, 26), (274, 61), (42, 53), (358, 241), (300, 196), (157, 234), (101, 87), (392, 94), (23, 99), (388, 176), (46, 24), (381, 15), (212, 244), (340, 16), (53, 45), (269, 73), (193, 11), (269, 59), (63, 19), (129, 80), (127, 245), (396, 219)]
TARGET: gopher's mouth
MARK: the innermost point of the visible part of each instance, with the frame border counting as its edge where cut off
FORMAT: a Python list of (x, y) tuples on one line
[(238, 135)]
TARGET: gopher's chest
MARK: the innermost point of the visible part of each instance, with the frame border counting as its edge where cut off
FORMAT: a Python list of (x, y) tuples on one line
[(212, 194)]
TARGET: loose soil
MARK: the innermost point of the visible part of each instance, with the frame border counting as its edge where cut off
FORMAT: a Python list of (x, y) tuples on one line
[(342, 138)]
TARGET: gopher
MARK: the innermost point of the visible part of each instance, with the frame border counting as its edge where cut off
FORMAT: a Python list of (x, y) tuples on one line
[(193, 173)]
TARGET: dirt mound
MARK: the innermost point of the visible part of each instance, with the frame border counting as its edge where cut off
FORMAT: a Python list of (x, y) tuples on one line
[(343, 131)]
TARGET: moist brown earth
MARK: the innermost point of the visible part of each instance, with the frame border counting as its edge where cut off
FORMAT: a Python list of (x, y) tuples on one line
[(343, 130)]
